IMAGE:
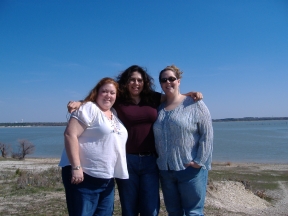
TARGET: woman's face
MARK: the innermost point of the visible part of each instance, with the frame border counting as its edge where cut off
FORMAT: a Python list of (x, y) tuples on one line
[(169, 82), (135, 84), (106, 96)]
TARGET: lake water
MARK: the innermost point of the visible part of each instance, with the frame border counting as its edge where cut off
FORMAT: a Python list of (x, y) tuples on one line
[(257, 141)]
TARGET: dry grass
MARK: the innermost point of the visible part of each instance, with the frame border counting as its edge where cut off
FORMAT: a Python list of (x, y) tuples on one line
[(34, 192)]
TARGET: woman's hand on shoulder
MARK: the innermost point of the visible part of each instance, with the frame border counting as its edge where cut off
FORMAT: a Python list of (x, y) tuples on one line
[(195, 95), (73, 105)]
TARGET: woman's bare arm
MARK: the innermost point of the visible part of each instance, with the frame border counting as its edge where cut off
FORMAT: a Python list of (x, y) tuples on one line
[(73, 130)]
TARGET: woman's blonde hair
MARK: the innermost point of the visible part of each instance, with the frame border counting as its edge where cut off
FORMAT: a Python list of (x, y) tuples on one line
[(178, 73)]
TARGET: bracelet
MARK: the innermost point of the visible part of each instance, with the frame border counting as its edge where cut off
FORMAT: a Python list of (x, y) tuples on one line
[(76, 168)]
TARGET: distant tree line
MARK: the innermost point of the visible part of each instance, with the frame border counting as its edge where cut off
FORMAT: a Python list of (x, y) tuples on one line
[(250, 119), (39, 124), (33, 124)]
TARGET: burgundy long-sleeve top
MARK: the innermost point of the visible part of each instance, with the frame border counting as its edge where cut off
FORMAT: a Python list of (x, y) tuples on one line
[(138, 120)]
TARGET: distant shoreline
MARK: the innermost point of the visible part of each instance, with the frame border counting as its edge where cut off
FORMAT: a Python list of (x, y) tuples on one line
[(216, 161), (43, 124), (250, 119), (54, 160), (33, 124)]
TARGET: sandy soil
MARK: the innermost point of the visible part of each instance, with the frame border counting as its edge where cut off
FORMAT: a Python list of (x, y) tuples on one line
[(229, 196), (233, 197), (36, 164)]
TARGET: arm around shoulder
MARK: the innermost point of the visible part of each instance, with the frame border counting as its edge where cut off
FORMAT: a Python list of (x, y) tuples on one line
[(73, 105), (195, 95)]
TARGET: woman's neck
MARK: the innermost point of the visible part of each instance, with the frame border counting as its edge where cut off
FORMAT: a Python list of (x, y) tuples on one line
[(136, 99), (171, 98), (172, 101), (106, 110), (108, 114)]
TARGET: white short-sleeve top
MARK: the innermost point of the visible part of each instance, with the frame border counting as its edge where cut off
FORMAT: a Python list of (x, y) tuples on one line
[(101, 145)]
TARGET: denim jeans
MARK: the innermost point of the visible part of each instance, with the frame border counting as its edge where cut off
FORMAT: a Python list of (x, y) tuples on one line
[(184, 191), (93, 196), (140, 193), (66, 179)]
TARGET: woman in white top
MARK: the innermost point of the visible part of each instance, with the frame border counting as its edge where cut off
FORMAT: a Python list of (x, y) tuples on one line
[(94, 153)]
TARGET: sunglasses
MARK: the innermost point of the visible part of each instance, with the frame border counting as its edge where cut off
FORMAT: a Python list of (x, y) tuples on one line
[(170, 79)]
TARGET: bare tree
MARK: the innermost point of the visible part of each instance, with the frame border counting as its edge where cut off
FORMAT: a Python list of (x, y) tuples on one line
[(5, 149), (25, 148)]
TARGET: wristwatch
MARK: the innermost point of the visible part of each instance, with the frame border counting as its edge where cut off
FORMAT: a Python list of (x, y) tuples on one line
[(76, 168)]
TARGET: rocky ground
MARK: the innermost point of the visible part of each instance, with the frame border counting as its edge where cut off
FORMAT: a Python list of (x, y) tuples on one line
[(223, 197), (231, 196)]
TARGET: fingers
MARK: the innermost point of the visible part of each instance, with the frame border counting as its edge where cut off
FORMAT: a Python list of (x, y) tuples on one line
[(69, 103), (192, 164), (187, 165), (70, 106), (195, 165), (73, 105), (76, 180), (199, 95), (77, 176)]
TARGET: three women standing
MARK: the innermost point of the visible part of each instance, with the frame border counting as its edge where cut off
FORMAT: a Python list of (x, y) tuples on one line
[(136, 106)]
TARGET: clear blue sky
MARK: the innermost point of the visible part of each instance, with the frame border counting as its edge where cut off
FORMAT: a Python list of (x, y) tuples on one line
[(234, 52)]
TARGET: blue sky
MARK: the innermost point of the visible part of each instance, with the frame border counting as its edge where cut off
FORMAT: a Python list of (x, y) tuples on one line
[(234, 52)]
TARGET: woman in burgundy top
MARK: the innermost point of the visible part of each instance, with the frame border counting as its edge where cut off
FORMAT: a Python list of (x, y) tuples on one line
[(136, 106)]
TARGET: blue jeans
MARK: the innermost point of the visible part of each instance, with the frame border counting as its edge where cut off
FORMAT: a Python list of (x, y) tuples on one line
[(140, 193), (66, 179), (93, 196), (184, 191)]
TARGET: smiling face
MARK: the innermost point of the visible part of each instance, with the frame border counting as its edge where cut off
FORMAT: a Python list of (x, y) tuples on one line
[(106, 96), (135, 84), (171, 84)]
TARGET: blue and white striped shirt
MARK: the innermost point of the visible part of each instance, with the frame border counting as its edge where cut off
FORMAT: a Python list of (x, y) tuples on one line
[(184, 134)]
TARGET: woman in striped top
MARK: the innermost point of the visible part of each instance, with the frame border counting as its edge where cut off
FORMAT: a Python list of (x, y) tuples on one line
[(184, 142)]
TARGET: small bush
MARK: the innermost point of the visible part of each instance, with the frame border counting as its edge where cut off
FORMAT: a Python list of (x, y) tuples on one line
[(228, 163), (247, 184), (261, 194), (16, 155), (47, 178), (210, 185), (18, 172)]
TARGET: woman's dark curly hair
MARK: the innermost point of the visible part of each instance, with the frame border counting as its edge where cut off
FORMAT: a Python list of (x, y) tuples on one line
[(123, 81)]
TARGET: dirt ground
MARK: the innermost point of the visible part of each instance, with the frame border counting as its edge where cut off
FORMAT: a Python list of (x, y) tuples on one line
[(233, 197), (229, 197)]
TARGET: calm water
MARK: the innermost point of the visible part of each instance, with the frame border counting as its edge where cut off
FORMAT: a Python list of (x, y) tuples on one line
[(48, 141), (258, 141)]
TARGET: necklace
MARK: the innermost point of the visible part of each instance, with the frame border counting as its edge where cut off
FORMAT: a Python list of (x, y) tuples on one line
[(114, 124), (108, 115)]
